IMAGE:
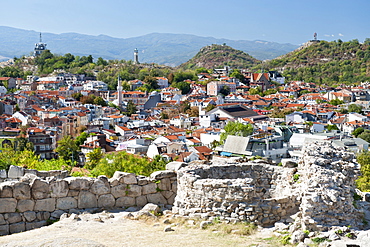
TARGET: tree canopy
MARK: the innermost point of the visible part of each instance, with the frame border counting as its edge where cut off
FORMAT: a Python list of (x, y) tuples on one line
[(236, 129)]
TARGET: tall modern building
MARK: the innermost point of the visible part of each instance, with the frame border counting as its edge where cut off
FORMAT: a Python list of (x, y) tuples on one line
[(136, 56), (39, 47)]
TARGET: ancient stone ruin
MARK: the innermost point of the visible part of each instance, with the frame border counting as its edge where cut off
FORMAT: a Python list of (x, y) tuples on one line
[(318, 192), (315, 194)]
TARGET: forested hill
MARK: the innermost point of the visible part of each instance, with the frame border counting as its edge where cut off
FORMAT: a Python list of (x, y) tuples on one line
[(323, 62), (218, 56)]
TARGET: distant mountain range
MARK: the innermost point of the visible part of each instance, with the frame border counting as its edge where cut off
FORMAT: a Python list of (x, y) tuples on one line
[(161, 48)]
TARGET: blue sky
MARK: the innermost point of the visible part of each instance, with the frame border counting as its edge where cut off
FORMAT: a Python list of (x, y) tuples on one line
[(285, 21)]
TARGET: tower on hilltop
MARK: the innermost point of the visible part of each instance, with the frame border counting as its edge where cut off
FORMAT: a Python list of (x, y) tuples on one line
[(119, 92), (39, 47), (136, 56)]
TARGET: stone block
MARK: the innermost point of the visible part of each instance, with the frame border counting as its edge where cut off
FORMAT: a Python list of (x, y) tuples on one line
[(174, 186), (40, 189), (3, 174), (42, 216), (156, 198), (6, 190), (34, 225), (125, 177), (141, 201), (142, 181), (29, 216), (72, 193), (57, 213), (87, 200), (17, 227), (15, 172), (125, 202), (100, 187), (106, 201), (120, 190), (30, 171), (2, 220), (175, 165), (47, 204), (65, 203), (4, 230), (25, 205), (134, 190), (21, 191), (149, 188), (7, 205), (59, 188), (158, 175), (167, 194), (43, 174), (76, 183), (164, 184), (171, 199)]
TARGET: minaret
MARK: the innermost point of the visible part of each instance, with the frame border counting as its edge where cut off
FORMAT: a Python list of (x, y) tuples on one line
[(119, 91), (136, 56)]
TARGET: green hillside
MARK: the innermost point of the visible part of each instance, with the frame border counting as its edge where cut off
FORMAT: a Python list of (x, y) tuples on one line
[(323, 62), (218, 56)]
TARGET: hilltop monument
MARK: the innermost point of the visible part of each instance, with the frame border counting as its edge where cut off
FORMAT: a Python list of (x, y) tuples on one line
[(39, 47), (136, 56)]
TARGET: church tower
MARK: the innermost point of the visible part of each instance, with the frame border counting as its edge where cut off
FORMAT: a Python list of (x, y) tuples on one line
[(136, 56), (39, 47), (119, 91)]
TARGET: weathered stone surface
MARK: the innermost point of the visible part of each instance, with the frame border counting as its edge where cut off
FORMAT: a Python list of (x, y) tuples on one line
[(21, 191), (34, 225), (106, 201), (141, 201), (7, 205), (162, 174), (15, 172), (47, 204), (2, 220), (57, 213), (65, 203), (3, 174), (59, 188), (100, 187), (73, 193), (151, 208), (25, 205), (167, 194), (79, 183), (125, 201), (164, 184), (40, 189), (142, 180), (29, 216), (149, 188), (156, 198), (87, 200), (42, 216), (30, 171), (125, 177), (6, 190), (17, 227), (120, 190), (175, 165), (13, 217), (4, 230), (134, 190)]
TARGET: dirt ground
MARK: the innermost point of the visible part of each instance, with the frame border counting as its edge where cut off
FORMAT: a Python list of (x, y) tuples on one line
[(117, 230)]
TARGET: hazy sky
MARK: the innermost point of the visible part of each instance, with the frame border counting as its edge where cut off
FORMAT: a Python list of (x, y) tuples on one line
[(284, 21)]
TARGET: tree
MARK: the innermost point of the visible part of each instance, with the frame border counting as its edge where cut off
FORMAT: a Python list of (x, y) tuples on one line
[(331, 127), (237, 74), (151, 82), (225, 90), (77, 96), (94, 158), (67, 150), (81, 138), (355, 108), (357, 131), (100, 101), (183, 86), (101, 61), (336, 102), (365, 135), (236, 129), (210, 107), (131, 108), (363, 182)]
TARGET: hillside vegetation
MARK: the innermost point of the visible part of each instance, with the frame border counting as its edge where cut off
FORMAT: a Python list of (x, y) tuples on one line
[(328, 63), (218, 56)]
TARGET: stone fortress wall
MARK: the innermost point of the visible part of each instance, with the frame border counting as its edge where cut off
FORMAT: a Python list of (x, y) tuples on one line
[(314, 195), (29, 199)]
